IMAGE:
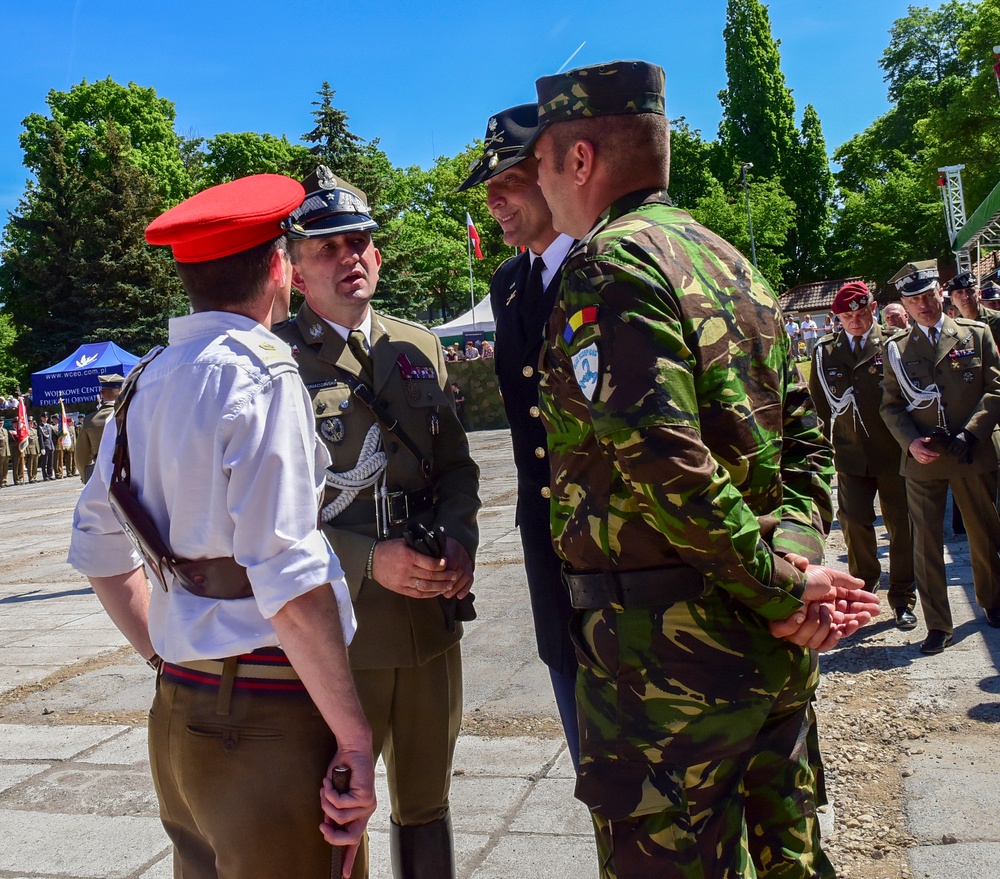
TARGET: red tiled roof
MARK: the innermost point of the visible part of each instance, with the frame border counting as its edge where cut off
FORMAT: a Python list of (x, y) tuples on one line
[(815, 297)]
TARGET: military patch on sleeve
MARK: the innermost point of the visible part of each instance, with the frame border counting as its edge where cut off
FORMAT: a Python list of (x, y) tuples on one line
[(585, 369), (580, 319)]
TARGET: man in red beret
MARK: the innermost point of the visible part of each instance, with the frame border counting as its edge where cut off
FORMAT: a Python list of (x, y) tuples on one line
[(254, 702), (846, 386)]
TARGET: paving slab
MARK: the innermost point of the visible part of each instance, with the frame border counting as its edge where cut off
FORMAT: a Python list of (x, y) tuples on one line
[(24, 742)]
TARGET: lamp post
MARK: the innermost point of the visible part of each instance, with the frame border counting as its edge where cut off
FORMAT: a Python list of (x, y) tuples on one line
[(746, 194)]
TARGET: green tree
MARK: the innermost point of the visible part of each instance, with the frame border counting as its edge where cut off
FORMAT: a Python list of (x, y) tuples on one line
[(810, 185), (88, 110), (725, 213), (690, 164), (230, 156), (76, 267), (12, 369), (758, 113)]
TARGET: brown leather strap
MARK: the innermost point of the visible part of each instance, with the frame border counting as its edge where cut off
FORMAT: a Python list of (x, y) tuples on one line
[(647, 588)]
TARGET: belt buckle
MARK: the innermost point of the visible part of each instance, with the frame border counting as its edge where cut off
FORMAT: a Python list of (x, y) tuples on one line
[(392, 516)]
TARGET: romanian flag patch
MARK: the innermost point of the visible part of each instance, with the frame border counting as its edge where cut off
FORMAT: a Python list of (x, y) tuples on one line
[(580, 319)]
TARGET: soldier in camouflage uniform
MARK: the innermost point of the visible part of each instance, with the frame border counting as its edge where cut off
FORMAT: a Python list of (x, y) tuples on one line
[(690, 483)]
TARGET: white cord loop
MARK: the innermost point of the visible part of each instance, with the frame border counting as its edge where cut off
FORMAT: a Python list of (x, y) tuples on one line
[(919, 398), (838, 405), (372, 462)]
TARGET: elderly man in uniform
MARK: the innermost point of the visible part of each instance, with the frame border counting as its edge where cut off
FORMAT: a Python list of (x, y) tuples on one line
[(242, 747), (690, 481), (846, 386), (941, 401), (522, 293), (383, 407), (89, 439)]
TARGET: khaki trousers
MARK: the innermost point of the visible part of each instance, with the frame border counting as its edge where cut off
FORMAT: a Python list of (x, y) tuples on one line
[(415, 714), (976, 498), (238, 782), (856, 514)]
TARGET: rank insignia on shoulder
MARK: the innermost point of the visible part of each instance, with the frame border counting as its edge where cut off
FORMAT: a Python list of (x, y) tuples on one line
[(581, 318), (408, 371), (332, 429), (585, 370)]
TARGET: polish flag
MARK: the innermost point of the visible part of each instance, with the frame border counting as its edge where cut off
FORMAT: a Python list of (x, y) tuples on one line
[(22, 425), (473, 235)]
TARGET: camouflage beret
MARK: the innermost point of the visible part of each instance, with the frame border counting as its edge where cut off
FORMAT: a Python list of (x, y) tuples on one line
[(618, 88)]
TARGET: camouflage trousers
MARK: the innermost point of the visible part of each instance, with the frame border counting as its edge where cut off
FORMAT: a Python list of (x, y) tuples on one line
[(699, 754)]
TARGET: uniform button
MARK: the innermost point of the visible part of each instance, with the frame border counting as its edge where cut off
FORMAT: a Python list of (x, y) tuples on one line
[(539, 452), (534, 412), (546, 492), (528, 372)]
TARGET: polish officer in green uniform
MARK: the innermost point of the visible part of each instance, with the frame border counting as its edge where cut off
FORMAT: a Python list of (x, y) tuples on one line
[(846, 386), (383, 405), (690, 487), (89, 440), (941, 401), (967, 299)]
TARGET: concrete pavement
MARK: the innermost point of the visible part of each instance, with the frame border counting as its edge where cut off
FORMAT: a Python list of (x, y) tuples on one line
[(76, 800)]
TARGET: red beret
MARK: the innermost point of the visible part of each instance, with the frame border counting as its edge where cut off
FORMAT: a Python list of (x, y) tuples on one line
[(228, 218), (852, 297)]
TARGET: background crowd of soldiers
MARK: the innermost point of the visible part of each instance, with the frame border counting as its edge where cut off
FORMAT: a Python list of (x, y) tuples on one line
[(50, 452), (911, 407)]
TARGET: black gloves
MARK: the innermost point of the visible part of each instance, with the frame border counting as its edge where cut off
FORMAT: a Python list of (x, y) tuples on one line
[(962, 447)]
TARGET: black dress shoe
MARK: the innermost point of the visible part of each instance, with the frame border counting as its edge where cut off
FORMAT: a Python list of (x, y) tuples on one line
[(905, 618), (935, 642), (993, 617)]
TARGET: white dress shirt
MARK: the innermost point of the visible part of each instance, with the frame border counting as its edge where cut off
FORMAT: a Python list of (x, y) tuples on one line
[(226, 461)]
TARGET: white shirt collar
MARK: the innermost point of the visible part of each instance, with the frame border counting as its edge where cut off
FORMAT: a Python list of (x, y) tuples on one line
[(554, 256), (344, 332), (938, 326)]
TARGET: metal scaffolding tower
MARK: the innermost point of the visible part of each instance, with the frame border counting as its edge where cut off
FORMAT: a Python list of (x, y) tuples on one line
[(954, 210)]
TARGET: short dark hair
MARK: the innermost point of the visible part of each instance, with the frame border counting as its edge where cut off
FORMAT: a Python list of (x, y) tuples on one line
[(639, 142), (230, 280)]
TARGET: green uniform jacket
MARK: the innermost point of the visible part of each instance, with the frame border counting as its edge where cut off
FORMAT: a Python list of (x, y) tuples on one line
[(990, 317), (862, 443), (89, 440), (679, 432), (966, 367), (393, 630)]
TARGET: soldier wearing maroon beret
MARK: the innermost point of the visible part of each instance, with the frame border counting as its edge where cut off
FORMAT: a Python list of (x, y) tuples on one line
[(254, 704), (846, 386)]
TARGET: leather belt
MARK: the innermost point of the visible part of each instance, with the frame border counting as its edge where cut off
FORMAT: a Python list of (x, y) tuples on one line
[(401, 505), (646, 588)]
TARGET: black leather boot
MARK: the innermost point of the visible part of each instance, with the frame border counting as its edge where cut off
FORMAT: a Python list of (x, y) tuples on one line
[(422, 851)]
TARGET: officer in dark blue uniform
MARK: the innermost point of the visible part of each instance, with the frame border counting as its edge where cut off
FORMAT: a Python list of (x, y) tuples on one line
[(522, 294)]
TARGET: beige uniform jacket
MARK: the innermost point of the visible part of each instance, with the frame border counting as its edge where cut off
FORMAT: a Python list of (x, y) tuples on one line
[(965, 365), (862, 443), (411, 385), (89, 440)]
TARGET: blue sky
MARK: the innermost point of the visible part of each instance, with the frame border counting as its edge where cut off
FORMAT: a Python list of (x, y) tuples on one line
[(422, 77)]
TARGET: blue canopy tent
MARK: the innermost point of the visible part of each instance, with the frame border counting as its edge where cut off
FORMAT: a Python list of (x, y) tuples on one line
[(75, 378)]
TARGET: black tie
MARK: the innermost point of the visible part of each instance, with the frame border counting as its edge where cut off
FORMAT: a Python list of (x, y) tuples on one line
[(535, 288), (933, 334), (356, 342)]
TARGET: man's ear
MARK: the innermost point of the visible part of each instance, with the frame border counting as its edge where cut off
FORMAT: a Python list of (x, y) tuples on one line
[(279, 266), (581, 160)]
